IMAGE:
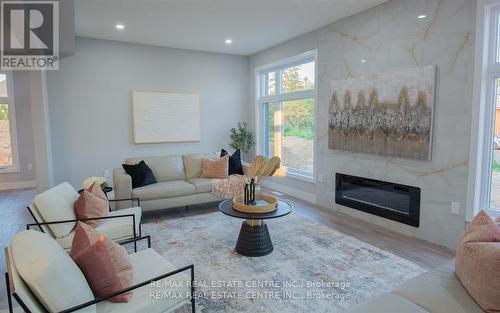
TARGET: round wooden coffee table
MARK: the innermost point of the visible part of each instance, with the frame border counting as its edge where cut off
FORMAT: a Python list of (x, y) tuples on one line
[(254, 239)]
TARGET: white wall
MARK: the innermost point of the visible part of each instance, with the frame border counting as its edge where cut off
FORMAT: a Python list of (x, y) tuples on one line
[(90, 102), (25, 177), (390, 37)]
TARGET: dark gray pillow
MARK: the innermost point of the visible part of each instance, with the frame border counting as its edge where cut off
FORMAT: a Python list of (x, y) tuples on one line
[(141, 174), (235, 166)]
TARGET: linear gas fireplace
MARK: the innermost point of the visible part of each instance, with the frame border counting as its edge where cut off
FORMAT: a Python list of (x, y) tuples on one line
[(393, 201)]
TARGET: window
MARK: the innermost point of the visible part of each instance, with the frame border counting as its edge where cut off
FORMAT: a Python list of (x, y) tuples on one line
[(494, 201), (287, 103), (8, 139)]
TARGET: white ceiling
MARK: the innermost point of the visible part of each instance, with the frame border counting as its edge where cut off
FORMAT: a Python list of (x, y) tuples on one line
[(253, 25)]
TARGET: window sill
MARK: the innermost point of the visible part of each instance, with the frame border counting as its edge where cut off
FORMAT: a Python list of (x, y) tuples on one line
[(309, 179), (8, 170), (493, 212)]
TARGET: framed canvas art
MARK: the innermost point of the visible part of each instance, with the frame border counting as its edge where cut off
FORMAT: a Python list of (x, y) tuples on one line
[(165, 117), (389, 114)]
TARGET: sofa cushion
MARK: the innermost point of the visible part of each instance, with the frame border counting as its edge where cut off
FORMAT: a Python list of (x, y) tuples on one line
[(162, 190), (89, 205), (202, 185), (192, 163), (165, 168), (386, 303), (56, 204), (113, 228), (148, 264), (105, 264), (141, 174), (439, 291), (49, 271)]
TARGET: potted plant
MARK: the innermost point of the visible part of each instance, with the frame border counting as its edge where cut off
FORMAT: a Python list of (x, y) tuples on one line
[(241, 138)]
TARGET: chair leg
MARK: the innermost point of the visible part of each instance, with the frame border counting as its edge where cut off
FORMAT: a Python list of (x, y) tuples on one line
[(193, 298), (9, 297), (135, 246)]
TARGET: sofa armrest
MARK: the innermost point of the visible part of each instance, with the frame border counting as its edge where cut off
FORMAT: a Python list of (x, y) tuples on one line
[(122, 183), (135, 240), (191, 295), (117, 201), (131, 216)]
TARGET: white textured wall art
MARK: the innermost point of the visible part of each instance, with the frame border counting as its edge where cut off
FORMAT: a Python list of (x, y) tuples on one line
[(165, 117)]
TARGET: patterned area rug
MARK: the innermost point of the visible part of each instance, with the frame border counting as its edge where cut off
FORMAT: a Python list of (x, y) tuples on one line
[(313, 268)]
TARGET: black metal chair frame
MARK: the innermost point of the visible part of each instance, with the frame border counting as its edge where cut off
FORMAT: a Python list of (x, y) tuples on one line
[(40, 224), (95, 301)]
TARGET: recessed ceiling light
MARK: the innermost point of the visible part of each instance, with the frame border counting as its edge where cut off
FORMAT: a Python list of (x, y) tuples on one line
[(422, 16), (228, 41), (120, 26), (363, 61)]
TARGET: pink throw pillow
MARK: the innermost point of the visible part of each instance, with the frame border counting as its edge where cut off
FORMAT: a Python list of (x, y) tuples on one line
[(85, 236), (104, 263), (96, 190), (478, 262), (215, 168), (89, 205)]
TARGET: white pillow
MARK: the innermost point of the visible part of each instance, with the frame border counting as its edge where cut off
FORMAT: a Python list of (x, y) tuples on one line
[(57, 204), (52, 276)]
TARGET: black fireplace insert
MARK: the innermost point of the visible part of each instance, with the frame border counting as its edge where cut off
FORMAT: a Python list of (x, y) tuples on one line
[(397, 202)]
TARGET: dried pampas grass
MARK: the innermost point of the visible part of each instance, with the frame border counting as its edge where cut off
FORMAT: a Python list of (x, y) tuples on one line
[(260, 167)]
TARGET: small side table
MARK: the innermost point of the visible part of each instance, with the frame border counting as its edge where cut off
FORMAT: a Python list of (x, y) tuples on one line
[(254, 239)]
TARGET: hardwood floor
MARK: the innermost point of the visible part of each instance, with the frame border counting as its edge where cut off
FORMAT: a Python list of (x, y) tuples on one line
[(423, 253), (14, 217)]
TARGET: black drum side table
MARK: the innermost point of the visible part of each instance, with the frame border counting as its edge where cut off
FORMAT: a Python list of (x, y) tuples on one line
[(254, 239)]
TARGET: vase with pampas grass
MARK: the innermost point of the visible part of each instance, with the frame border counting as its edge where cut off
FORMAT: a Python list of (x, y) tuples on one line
[(261, 168)]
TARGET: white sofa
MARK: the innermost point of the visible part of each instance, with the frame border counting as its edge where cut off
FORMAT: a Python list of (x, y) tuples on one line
[(178, 182), (437, 291), (53, 212), (42, 277)]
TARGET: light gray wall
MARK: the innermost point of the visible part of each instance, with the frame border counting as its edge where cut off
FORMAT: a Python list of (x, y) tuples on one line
[(24, 131), (66, 27), (390, 37), (41, 130), (90, 102)]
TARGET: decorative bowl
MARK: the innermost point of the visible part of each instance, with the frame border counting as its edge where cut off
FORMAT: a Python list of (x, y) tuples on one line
[(239, 205)]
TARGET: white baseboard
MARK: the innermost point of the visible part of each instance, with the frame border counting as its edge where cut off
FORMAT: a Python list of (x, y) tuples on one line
[(18, 185), (306, 196)]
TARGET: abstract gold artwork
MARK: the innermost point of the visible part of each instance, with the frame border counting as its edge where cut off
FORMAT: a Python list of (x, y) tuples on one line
[(389, 113)]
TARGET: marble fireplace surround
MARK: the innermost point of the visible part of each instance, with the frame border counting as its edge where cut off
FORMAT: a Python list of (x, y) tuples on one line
[(390, 37)]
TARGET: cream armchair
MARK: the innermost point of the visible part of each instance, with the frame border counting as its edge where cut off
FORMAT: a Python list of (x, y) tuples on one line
[(54, 215), (39, 288)]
